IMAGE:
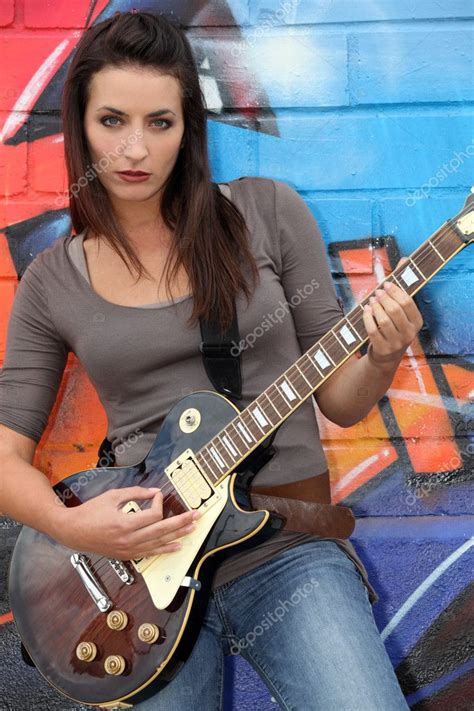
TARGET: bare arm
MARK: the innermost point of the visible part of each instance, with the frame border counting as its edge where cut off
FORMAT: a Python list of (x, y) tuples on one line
[(392, 322), (98, 525), (25, 492)]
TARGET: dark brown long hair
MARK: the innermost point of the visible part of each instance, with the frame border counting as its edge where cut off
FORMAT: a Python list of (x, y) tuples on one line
[(210, 236)]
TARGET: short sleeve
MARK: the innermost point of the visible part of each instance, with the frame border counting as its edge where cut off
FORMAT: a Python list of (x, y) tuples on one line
[(34, 361), (305, 276)]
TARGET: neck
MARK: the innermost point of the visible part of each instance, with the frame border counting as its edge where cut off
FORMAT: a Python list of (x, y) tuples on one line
[(143, 224)]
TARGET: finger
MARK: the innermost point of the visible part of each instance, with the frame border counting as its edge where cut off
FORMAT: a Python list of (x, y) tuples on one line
[(375, 337), (130, 493), (154, 516), (402, 260), (385, 324), (154, 535), (406, 302), (394, 310)]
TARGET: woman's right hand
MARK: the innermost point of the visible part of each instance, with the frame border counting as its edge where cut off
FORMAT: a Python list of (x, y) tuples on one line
[(100, 526)]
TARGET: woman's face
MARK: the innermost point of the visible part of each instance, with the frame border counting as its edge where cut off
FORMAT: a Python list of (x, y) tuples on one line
[(122, 136)]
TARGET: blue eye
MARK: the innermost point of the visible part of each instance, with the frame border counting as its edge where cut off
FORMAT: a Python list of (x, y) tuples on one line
[(107, 118), (168, 123)]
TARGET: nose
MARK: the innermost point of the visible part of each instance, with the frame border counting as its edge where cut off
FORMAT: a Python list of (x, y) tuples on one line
[(135, 146)]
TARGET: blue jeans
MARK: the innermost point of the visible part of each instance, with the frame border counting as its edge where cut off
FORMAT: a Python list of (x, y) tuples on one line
[(304, 621)]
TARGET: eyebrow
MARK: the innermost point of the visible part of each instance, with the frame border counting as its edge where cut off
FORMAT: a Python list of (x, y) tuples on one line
[(153, 114)]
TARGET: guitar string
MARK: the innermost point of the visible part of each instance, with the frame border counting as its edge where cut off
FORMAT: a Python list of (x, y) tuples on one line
[(426, 252)]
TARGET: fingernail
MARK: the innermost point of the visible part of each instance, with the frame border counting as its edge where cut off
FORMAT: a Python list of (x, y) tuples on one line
[(372, 300), (196, 514), (378, 292), (387, 284)]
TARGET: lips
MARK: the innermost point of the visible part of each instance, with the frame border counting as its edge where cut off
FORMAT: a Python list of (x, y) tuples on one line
[(133, 176)]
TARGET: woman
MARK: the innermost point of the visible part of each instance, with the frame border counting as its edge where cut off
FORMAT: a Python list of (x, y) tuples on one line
[(142, 204)]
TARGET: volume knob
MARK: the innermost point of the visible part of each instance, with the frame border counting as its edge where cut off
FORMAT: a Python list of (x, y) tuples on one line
[(148, 632), (86, 651), (115, 664), (117, 620)]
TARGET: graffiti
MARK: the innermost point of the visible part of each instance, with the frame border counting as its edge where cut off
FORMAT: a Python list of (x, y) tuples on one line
[(327, 97)]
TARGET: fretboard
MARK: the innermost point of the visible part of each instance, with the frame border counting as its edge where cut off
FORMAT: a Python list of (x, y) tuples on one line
[(220, 456)]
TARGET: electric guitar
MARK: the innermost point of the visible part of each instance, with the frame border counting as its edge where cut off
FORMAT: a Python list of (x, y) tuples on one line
[(111, 633)]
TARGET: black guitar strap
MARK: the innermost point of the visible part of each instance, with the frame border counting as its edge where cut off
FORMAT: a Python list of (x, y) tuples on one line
[(221, 356)]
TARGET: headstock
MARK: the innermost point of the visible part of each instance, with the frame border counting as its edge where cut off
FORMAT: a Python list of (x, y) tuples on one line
[(464, 222)]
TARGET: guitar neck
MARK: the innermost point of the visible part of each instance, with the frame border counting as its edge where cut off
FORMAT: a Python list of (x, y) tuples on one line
[(220, 456)]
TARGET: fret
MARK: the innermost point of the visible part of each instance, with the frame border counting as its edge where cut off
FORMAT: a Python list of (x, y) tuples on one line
[(259, 418), (271, 403), (339, 340), (230, 447), (321, 359), (310, 359), (211, 462), (447, 241), (333, 346), (246, 432), (359, 327), (396, 280), (291, 377), (221, 450), (309, 367), (436, 250), (287, 391), (204, 466), (415, 264), (241, 439), (261, 402), (217, 458), (326, 353), (409, 278), (281, 401), (298, 381), (304, 376)]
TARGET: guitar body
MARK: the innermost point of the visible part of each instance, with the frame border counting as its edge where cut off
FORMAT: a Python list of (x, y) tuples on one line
[(55, 612)]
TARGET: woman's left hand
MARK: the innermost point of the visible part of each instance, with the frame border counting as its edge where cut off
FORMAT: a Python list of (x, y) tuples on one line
[(392, 320)]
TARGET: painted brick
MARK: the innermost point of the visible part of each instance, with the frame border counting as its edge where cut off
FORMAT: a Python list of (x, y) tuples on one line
[(46, 165), (232, 149), (55, 13), (7, 12), (342, 219), (328, 11), (22, 209), (7, 268), (13, 168), (7, 294), (25, 74), (358, 151), (403, 67), (418, 214), (282, 60)]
